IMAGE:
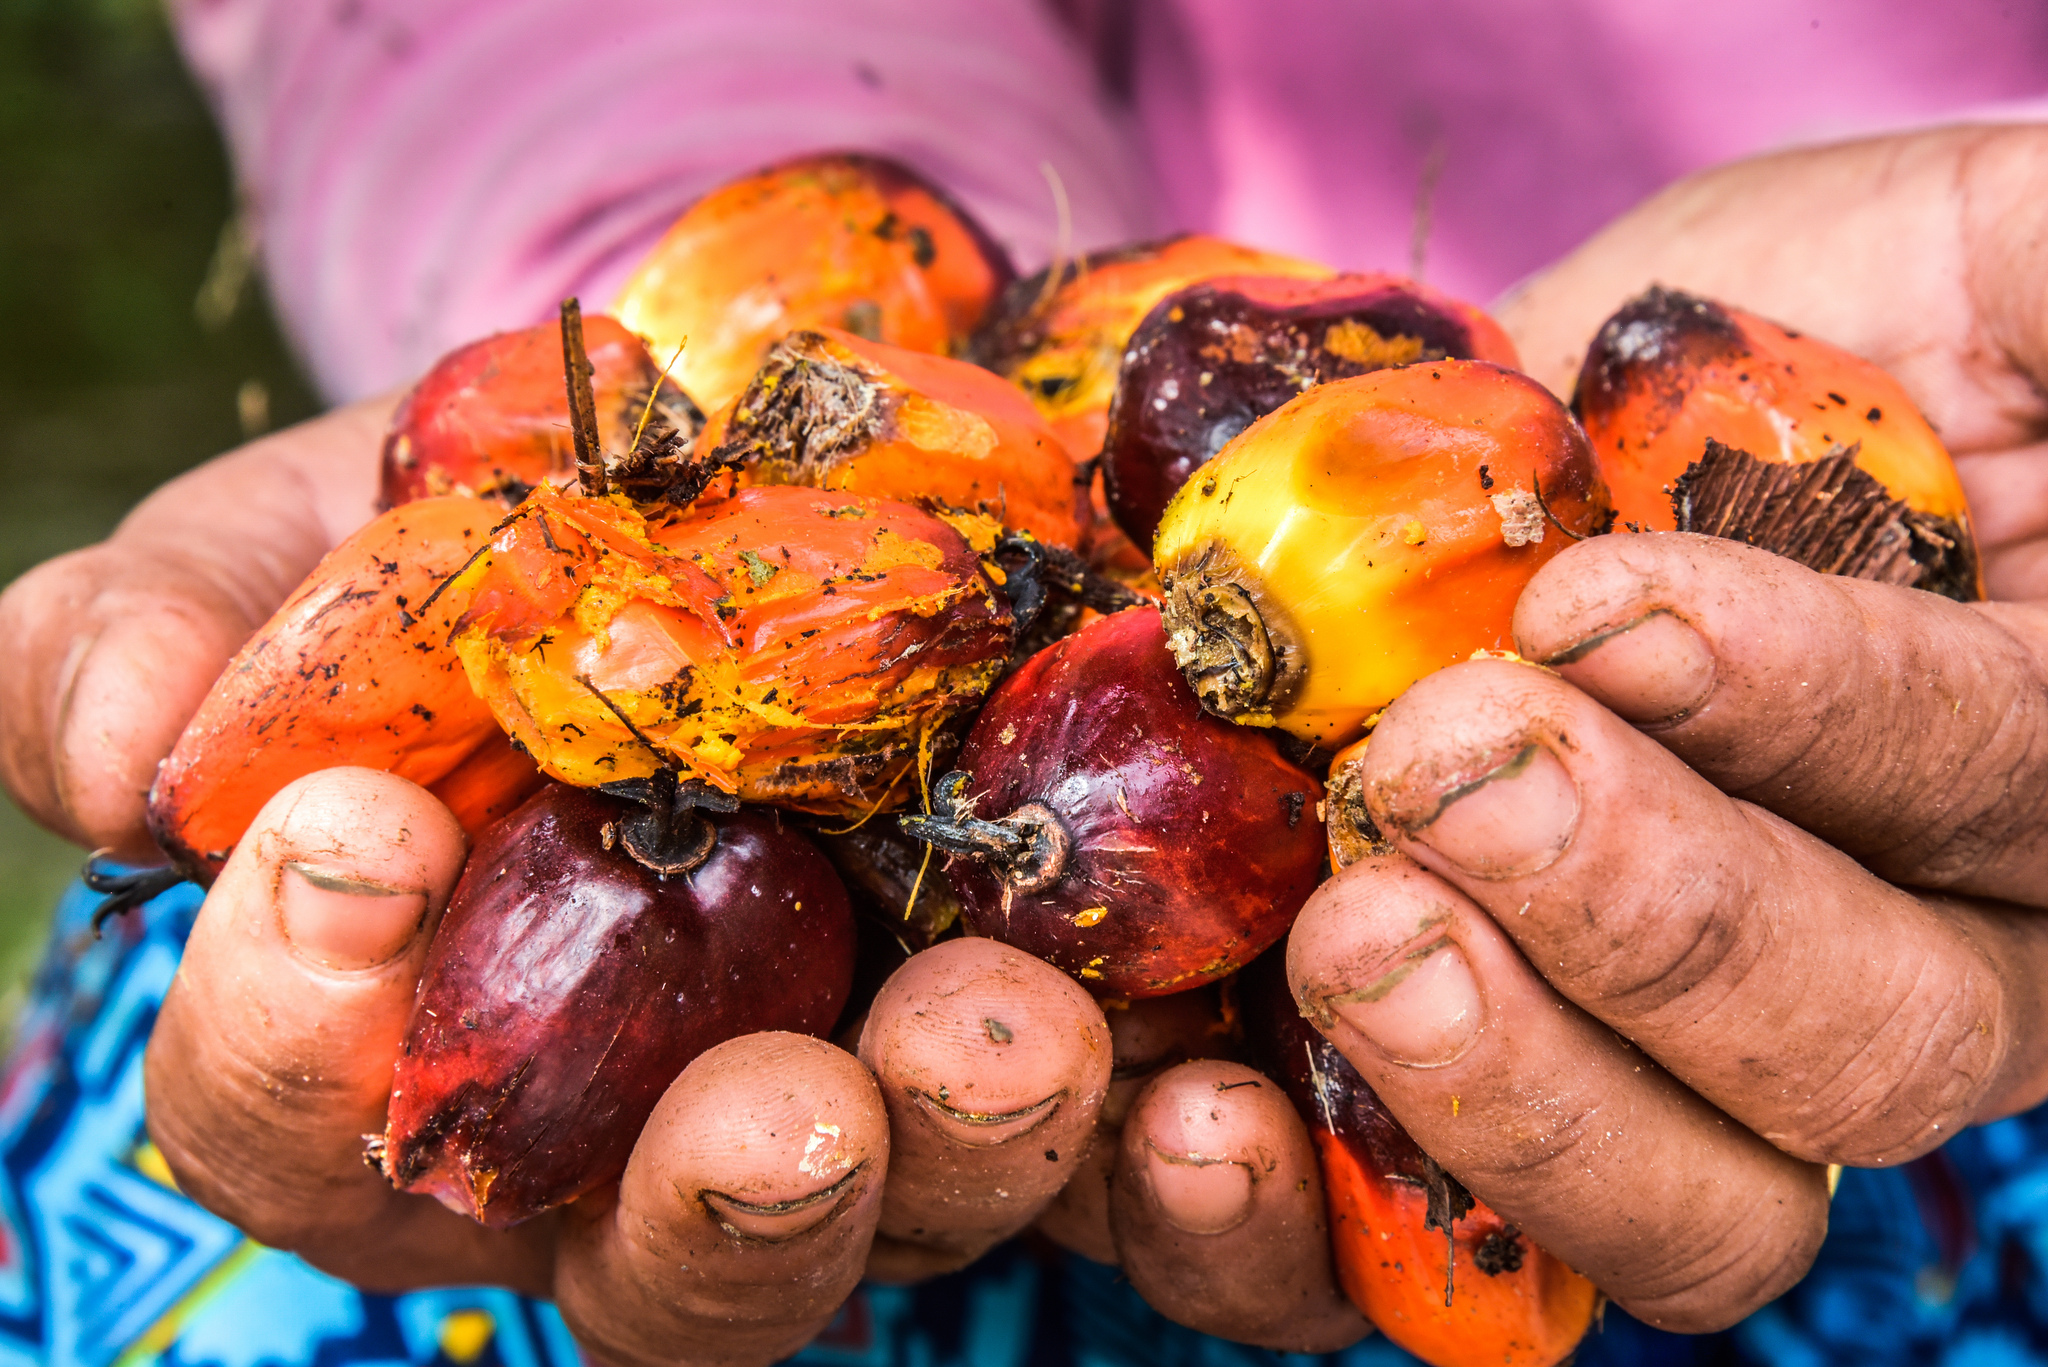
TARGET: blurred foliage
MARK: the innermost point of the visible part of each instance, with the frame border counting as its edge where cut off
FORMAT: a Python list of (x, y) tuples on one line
[(117, 196)]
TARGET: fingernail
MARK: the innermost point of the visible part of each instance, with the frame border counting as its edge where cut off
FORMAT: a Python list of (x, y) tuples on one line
[(1656, 668), (776, 1220), (1200, 1195), (986, 1129), (1509, 822), (341, 921), (1423, 1012)]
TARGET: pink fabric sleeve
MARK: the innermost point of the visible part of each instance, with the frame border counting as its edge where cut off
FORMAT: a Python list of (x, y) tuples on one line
[(423, 172)]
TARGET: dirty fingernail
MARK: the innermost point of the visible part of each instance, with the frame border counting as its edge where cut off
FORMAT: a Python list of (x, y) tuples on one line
[(1654, 669), (1200, 1195), (984, 1129), (774, 1220), (341, 921), (1509, 822), (1422, 1012)]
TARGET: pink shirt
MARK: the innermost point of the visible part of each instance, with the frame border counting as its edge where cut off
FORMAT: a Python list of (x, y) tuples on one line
[(427, 171)]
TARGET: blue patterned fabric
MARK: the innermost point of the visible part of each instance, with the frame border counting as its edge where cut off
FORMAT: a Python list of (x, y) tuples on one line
[(103, 1262)]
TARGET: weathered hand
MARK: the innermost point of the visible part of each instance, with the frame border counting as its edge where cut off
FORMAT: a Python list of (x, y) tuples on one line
[(112, 647), (733, 1236), (1648, 978)]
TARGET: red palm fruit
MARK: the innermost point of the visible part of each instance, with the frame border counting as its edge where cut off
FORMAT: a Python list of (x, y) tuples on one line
[(1366, 533), (1432, 1267), (839, 240), (1062, 340), (355, 668), (568, 985), (491, 419), (830, 410), (785, 644), (1102, 822), (1211, 359), (1780, 423)]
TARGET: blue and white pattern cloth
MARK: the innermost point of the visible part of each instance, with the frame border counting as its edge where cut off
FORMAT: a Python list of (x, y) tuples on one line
[(103, 1262)]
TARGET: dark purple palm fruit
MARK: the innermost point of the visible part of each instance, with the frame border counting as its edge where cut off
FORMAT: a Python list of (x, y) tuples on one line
[(1212, 359), (585, 959), (1100, 820)]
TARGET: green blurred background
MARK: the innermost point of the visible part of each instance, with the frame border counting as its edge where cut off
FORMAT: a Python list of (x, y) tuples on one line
[(133, 341)]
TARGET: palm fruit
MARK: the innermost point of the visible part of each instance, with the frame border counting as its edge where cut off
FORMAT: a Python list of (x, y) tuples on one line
[(568, 985), (491, 419), (1211, 359), (1365, 534), (354, 668), (1062, 340), (1100, 821), (1431, 1266), (784, 644), (1706, 418), (1060, 336), (830, 410), (1352, 833), (845, 241)]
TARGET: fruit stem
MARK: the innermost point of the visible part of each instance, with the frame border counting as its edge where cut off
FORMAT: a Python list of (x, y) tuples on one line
[(590, 471), (1033, 569), (1030, 848), (669, 833)]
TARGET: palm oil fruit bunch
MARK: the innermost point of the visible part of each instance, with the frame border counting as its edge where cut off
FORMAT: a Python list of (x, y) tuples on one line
[(1211, 359), (1431, 1266), (842, 241), (1364, 534), (1706, 418)]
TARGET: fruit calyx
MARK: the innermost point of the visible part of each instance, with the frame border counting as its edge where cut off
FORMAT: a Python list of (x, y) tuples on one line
[(1033, 570), (1828, 515), (1219, 639), (1029, 847), (667, 833)]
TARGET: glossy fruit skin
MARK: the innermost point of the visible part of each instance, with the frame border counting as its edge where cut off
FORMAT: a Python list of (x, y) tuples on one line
[(1063, 345), (567, 986), (786, 644), (831, 410), (1365, 534), (491, 419), (1211, 359), (839, 240), (345, 673), (1670, 370), (1511, 1302), (1194, 843)]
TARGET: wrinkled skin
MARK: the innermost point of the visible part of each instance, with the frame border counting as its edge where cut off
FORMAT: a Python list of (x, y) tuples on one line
[(1778, 789)]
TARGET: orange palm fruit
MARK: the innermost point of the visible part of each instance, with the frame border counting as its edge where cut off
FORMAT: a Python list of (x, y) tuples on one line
[(1434, 1268), (1351, 832), (831, 410), (845, 241), (1670, 373), (355, 669), (1365, 534), (785, 644), (491, 418)]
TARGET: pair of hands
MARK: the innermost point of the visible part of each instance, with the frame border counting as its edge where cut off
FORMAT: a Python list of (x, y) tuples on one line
[(1680, 970)]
